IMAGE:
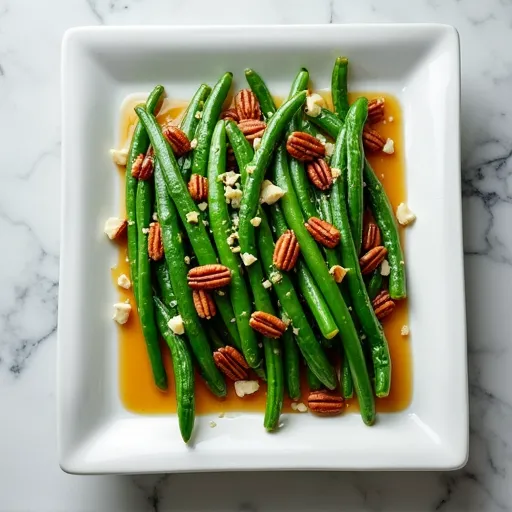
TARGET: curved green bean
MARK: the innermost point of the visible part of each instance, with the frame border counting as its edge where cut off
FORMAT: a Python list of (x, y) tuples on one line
[(167, 294), (339, 87), (260, 90), (314, 383), (328, 122), (183, 372), (374, 285)]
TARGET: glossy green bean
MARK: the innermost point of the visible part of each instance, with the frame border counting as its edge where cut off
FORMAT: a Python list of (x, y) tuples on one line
[(374, 284), (339, 87), (291, 364), (260, 90)]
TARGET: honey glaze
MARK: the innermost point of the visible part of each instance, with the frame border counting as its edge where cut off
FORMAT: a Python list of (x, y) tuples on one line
[(137, 390)]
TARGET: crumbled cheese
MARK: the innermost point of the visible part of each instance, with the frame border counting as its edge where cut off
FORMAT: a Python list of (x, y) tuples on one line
[(124, 282), (236, 220), (119, 156), (173, 303), (270, 114), (267, 284), (131, 223), (314, 102), (385, 269), (294, 406), (329, 148), (338, 272), (192, 217), (221, 293), (389, 147), (198, 114), (202, 206), (213, 424), (270, 193), (321, 138), (113, 226), (296, 331), (335, 173), (246, 387), (232, 238), (206, 223), (233, 196), (145, 231), (229, 178), (235, 249), (391, 119), (405, 215), (187, 260), (288, 294), (404, 331), (193, 143), (275, 277), (249, 169), (302, 408), (233, 320), (121, 312), (248, 259), (256, 221), (176, 325), (256, 143), (221, 415), (286, 319)]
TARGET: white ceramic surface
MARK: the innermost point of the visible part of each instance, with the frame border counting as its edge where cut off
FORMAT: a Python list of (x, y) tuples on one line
[(30, 477), (417, 63)]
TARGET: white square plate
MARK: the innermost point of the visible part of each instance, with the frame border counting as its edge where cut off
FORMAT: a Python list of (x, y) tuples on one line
[(419, 64)]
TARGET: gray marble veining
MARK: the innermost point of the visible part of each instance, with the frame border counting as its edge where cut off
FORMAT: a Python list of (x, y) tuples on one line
[(29, 222)]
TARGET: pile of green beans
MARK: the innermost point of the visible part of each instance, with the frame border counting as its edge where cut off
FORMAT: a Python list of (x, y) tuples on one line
[(317, 311)]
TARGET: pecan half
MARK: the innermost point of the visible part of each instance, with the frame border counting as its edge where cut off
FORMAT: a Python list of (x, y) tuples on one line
[(204, 304), (267, 324), (177, 139), (372, 139), (137, 166), (252, 128), (230, 115), (383, 305), (155, 245), (371, 236), (304, 147), (198, 187), (286, 251), (319, 173), (324, 403), (144, 171), (372, 259), (209, 277), (231, 363), (323, 232), (376, 110), (247, 106)]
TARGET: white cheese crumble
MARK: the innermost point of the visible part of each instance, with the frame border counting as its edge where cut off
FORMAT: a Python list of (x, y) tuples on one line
[(192, 217), (121, 312), (405, 215), (321, 138), (270, 193), (248, 259), (389, 147), (145, 231), (338, 272), (155, 216), (314, 102), (124, 282), (119, 156), (404, 331), (233, 320), (236, 220), (233, 196), (267, 284), (235, 249), (301, 407), (329, 148), (256, 143), (335, 173), (113, 227), (198, 114), (391, 119), (286, 319), (296, 331), (232, 238), (246, 387), (202, 206), (256, 221), (193, 143), (275, 277), (187, 260), (213, 424), (385, 269), (229, 178), (249, 169), (176, 325)]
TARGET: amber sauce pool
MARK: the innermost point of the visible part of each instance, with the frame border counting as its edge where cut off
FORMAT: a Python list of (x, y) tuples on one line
[(137, 391)]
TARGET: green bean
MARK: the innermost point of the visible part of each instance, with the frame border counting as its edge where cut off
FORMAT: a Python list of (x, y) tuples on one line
[(349, 255), (144, 209), (163, 277), (220, 224), (260, 90), (355, 120), (291, 364), (273, 360), (311, 350), (347, 385), (138, 145), (183, 371), (330, 290), (178, 191), (189, 124), (250, 200), (214, 336), (339, 87), (211, 113), (383, 213), (314, 383), (175, 258), (374, 284)]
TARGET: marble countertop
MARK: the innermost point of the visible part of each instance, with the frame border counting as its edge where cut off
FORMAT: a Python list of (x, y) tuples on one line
[(30, 478)]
